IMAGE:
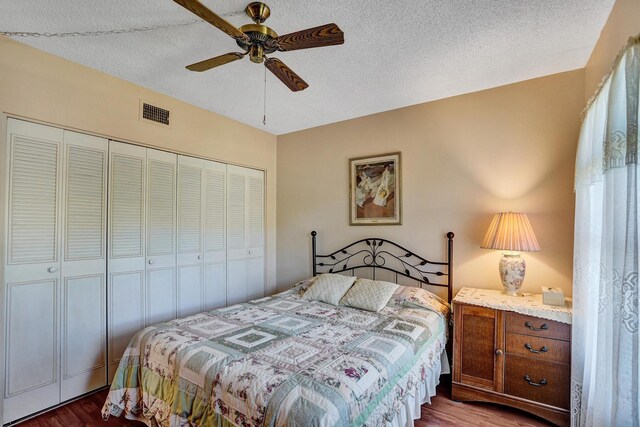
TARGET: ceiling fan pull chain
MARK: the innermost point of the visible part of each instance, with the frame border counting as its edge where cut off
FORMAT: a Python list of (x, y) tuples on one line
[(264, 108)]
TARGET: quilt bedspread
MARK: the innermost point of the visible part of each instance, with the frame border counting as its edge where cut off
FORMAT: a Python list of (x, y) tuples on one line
[(281, 361)]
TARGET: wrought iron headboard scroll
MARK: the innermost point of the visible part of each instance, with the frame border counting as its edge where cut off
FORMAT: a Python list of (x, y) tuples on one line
[(384, 254)]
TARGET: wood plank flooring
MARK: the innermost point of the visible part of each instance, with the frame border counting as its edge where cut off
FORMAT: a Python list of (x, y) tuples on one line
[(442, 412)]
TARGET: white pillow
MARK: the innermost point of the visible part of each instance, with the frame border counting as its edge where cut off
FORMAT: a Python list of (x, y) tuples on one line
[(329, 288), (370, 295)]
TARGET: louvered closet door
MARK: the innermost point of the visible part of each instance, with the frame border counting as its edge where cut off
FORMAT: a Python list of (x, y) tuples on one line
[(190, 244), (255, 234), (215, 250), (32, 269), (245, 234), (126, 262), (161, 237), (83, 361)]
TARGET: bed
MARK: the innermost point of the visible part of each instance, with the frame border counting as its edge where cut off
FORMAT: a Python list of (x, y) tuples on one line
[(285, 361)]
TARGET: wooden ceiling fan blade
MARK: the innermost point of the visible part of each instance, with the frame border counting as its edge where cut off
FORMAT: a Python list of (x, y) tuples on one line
[(208, 64), (197, 8), (324, 35), (285, 74)]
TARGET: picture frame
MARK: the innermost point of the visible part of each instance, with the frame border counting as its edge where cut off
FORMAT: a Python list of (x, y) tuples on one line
[(375, 190)]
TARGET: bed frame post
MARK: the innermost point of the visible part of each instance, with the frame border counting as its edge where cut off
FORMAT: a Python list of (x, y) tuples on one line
[(450, 236), (313, 251)]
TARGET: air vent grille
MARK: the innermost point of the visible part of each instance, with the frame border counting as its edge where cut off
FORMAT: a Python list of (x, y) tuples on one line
[(155, 114)]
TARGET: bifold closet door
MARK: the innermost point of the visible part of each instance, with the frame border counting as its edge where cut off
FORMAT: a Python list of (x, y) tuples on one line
[(201, 235), (55, 267), (32, 268), (190, 224), (215, 248), (84, 334), (245, 234), (126, 263), (161, 237)]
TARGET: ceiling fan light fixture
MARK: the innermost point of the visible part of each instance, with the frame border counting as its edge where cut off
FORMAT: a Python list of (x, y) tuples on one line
[(256, 53)]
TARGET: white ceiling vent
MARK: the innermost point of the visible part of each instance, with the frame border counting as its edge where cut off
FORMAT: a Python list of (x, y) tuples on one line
[(153, 113)]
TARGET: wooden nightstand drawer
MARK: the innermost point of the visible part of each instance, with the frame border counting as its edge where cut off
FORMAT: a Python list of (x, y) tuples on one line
[(530, 325), (537, 348), (544, 382)]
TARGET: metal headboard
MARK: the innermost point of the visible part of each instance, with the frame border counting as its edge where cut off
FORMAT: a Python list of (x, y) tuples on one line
[(376, 253)]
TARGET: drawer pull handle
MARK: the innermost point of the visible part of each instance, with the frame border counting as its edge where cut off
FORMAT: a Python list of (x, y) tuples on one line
[(544, 348), (543, 327), (542, 382)]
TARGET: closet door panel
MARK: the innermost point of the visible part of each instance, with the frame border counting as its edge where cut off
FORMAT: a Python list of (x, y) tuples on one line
[(190, 291), (237, 281), (190, 172), (83, 361), (161, 237), (245, 234), (236, 236), (33, 176), (126, 263), (85, 197), (255, 235), (84, 335), (126, 301), (31, 375), (255, 277), (160, 295), (126, 203), (32, 269), (215, 255), (236, 213), (190, 225), (215, 285)]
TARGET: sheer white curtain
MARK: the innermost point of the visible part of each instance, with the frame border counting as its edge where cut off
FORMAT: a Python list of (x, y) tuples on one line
[(605, 370)]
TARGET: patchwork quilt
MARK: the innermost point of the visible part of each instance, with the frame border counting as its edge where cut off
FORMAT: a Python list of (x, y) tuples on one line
[(281, 361)]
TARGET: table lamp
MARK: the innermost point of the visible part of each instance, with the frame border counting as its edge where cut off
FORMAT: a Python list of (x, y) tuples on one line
[(512, 233)]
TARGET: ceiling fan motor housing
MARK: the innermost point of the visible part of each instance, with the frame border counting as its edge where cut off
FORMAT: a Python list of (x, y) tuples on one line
[(261, 37), (261, 41)]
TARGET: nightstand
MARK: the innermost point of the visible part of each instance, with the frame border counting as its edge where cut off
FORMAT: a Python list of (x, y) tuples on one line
[(515, 351)]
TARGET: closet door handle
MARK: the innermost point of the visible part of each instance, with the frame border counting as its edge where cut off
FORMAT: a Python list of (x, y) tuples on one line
[(199, 256), (52, 269), (150, 261)]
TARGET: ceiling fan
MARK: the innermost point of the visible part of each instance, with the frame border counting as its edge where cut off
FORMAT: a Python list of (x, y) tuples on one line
[(257, 40)]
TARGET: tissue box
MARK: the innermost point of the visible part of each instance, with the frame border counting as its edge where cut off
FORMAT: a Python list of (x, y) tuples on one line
[(552, 296)]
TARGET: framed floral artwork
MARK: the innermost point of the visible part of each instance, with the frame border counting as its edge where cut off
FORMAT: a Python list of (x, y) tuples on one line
[(375, 190)]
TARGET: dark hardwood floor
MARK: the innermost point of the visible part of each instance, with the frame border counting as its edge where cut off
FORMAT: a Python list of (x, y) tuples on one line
[(442, 412)]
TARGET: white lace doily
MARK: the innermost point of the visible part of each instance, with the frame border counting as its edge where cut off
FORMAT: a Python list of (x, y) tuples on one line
[(530, 304)]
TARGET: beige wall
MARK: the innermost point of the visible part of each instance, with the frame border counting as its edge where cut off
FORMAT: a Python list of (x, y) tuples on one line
[(463, 158), (623, 22), (43, 87)]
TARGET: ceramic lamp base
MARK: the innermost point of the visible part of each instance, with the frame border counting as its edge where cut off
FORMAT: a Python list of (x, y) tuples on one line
[(512, 268)]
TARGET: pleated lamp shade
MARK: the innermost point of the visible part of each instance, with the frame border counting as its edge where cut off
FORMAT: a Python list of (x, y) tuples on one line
[(511, 231)]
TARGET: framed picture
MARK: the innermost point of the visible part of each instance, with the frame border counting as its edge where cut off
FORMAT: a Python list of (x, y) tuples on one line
[(374, 196)]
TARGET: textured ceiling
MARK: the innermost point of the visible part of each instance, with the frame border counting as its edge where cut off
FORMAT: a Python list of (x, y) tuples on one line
[(396, 53)]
